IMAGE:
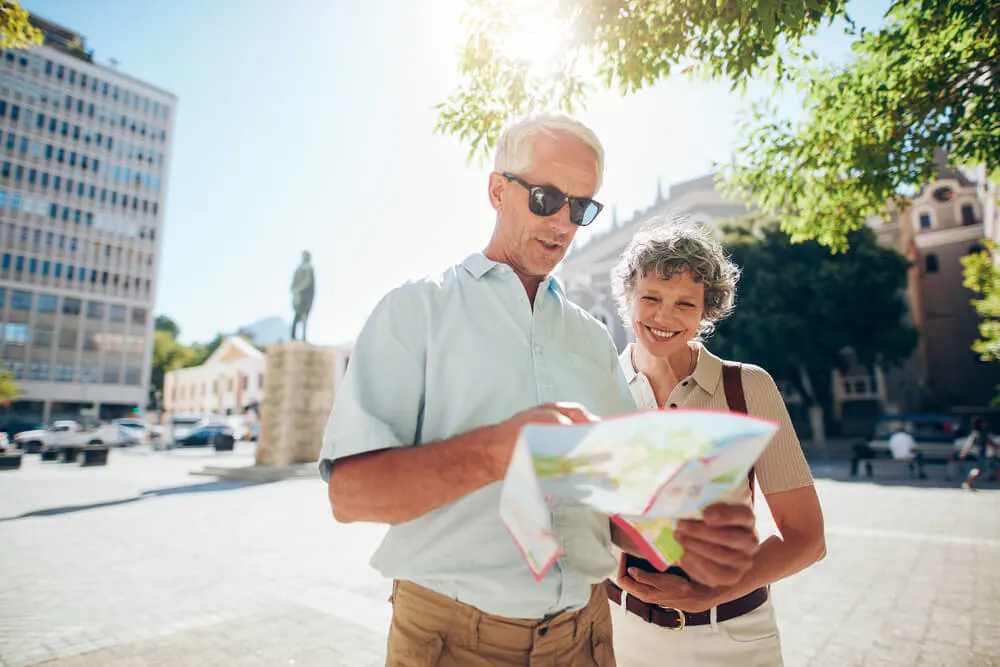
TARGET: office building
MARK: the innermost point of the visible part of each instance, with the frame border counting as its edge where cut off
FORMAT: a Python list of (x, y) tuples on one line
[(84, 155)]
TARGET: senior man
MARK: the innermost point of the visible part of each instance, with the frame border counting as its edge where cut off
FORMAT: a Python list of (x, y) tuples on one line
[(443, 376)]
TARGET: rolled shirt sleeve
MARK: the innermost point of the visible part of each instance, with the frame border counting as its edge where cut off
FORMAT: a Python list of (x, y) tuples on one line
[(782, 466), (378, 404)]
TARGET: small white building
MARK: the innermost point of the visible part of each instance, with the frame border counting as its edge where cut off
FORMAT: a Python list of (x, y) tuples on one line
[(230, 382)]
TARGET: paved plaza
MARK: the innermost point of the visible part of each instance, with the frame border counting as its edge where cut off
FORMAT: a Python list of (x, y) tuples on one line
[(142, 563)]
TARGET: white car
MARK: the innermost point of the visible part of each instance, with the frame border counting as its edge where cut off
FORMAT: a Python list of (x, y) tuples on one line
[(68, 433), (137, 427)]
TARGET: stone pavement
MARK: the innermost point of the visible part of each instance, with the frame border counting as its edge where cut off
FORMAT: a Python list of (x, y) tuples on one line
[(140, 563)]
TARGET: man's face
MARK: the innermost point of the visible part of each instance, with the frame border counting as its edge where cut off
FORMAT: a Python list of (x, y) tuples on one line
[(532, 244)]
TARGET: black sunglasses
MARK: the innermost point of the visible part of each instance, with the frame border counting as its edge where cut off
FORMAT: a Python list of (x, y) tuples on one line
[(546, 200)]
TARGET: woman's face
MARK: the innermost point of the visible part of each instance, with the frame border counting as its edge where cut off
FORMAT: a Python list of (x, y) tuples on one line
[(666, 314)]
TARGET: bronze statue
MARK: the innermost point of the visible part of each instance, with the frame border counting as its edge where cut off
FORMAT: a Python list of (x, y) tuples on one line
[(303, 290)]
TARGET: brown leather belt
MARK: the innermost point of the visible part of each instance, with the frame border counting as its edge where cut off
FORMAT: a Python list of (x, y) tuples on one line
[(675, 619)]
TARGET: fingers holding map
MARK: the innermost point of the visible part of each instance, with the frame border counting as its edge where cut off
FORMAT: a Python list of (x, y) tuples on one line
[(646, 470)]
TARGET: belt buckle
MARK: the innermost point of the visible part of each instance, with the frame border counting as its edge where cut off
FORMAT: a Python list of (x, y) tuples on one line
[(681, 618)]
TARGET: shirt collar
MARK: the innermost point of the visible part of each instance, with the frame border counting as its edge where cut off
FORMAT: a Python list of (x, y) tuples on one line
[(707, 370), (478, 265)]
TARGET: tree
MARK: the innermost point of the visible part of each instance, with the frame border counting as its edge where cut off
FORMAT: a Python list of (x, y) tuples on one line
[(800, 309), (927, 79), (168, 355), (16, 32), (506, 72), (8, 388), (982, 276), (164, 323)]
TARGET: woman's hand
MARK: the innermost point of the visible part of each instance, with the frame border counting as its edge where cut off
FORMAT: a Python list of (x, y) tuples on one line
[(671, 591), (720, 548)]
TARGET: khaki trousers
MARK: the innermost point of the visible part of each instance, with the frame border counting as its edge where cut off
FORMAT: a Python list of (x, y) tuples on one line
[(432, 630)]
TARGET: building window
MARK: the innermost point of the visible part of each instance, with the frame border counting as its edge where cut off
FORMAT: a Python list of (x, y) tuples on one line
[(38, 370), (71, 306), (67, 339), (968, 214), (138, 316), (64, 373), (95, 310), (46, 303), (117, 313), (133, 376), (42, 337), (15, 333), (931, 263), (925, 221), (20, 300)]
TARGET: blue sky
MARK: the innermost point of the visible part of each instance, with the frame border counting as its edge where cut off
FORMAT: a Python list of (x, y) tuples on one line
[(307, 124)]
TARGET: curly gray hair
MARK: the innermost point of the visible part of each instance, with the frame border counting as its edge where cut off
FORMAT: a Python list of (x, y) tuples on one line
[(671, 245)]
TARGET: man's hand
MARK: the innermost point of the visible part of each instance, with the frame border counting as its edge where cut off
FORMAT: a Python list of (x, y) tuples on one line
[(546, 413), (719, 549), (671, 591)]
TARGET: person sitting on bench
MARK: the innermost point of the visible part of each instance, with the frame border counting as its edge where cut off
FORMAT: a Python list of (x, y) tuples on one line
[(903, 447)]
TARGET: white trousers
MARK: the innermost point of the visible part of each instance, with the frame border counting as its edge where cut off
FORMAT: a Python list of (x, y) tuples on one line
[(750, 640)]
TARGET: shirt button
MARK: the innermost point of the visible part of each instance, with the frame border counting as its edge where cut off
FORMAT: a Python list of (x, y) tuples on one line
[(684, 384), (538, 348), (673, 405), (542, 632)]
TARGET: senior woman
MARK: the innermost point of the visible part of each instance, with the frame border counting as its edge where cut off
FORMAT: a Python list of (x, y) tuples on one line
[(672, 284)]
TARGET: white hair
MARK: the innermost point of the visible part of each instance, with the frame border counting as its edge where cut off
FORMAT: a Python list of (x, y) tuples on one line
[(514, 150)]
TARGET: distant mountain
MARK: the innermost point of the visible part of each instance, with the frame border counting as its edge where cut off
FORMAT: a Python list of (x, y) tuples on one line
[(268, 330)]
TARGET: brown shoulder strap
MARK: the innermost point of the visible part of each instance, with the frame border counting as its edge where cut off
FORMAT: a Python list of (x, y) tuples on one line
[(732, 384)]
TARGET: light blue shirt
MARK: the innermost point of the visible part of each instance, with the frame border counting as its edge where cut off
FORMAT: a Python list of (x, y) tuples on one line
[(442, 356)]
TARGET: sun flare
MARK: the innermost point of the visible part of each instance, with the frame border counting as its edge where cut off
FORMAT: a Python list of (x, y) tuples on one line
[(536, 36)]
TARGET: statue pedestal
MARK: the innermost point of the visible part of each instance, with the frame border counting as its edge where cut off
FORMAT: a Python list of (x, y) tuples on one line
[(298, 395)]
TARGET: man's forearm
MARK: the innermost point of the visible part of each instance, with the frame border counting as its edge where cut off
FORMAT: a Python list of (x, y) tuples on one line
[(396, 485), (778, 558)]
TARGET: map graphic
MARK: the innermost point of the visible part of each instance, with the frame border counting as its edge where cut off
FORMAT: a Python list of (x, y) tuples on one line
[(644, 470)]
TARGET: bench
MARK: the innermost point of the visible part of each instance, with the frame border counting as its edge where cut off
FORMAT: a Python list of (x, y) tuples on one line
[(69, 454), (50, 454), (10, 461), (224, 444), (864, 453), (94, 455)]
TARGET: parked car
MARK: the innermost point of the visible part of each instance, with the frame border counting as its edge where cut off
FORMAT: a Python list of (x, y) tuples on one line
[(207, 434), (142, 430), (937, 436), (68, 433)]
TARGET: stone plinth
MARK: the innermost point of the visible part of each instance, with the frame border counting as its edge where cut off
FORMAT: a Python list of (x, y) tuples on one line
[(298, 395)]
